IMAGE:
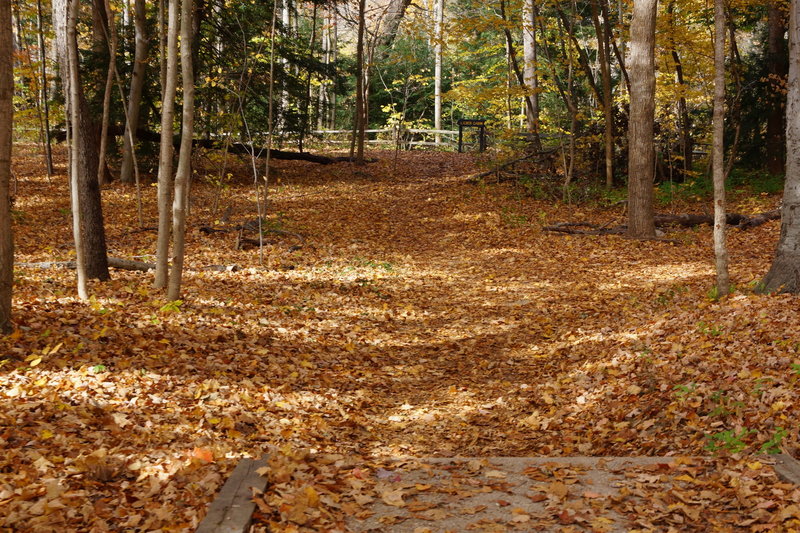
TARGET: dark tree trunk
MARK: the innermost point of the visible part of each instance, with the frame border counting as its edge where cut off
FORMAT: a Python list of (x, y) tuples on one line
[(85, 135), (777, 68), (6, 116)]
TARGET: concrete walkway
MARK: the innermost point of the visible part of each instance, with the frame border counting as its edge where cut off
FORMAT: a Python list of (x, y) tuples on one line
[(559, 494)]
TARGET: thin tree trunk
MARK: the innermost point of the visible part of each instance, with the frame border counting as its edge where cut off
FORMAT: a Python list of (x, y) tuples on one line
[(357, 145), (438, 22), (185, 159), (641, 158), (776, 67), (162, 50), (784, 275), (6, 135), (166, 150), (73, 110), (718, 155), (306, 119), (529, 13), (604, 58), (45, 104), (111, 33), (512, 59), (126, 173), (85, 143)]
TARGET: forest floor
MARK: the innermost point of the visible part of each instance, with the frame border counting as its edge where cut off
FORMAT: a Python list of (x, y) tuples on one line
[(424, 316)]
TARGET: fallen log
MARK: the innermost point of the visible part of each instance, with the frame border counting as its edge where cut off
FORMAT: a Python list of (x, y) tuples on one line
[(115, 262), (122, 264), (234, 148), (735, 220)]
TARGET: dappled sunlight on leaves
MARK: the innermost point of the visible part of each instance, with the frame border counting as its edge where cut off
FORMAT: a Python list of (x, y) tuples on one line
[(417, 320)]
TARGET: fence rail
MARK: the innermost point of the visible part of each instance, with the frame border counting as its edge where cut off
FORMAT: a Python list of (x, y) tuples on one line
[(398, 136)]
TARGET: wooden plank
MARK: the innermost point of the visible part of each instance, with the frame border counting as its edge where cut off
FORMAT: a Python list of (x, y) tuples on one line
[(787, 468), (232, 509)]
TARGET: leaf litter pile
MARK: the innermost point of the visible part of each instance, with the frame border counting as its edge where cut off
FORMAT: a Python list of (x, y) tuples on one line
[(422, 316)]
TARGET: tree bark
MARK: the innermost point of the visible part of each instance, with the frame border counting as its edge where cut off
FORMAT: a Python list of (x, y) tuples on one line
[(126, 174), (438, 21), (784, 275), (641, 158), (604, 58), (43, 88), (777, 68), (184, 173), (73, 111), (357, 146), (85, 143), (166, 149), (6, 134), (718, 154), (687, 144), (110, 30), (529, 13)]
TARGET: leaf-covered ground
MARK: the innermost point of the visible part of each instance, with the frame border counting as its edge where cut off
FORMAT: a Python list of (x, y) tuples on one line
[(424, 316)]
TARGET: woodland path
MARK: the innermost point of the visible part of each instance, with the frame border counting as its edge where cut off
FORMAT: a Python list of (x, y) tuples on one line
[(426, 316)]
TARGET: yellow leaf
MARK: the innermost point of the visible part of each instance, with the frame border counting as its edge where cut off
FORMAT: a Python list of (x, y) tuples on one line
[(756, 465), (46, 434), (36, 361), (312, 496)]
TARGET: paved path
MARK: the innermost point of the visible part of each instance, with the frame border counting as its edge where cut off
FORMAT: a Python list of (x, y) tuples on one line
[(564, 494)]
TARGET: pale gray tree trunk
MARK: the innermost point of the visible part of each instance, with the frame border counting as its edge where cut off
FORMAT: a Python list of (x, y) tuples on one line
[(126, 174), (166, 149), (530, 51), (718, 155), (438, 17), (6, 132), (641, 155), (73, 111), (184, 172), (784, 275)]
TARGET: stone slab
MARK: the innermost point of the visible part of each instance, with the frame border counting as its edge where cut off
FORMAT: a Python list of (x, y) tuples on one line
[(526, 494), (232, 509), (788, 468)]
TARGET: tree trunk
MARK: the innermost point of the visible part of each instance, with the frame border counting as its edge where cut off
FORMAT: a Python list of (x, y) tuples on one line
[(45, 104), (776, 67), (110, 30), (718, 154), (126, 174), (784, 275), (357, 146), (529, 13), (604, 58), (166, 149), (185, 159), (73, 129), (641, 158), (85, 143), (438, 21), (6, 134)]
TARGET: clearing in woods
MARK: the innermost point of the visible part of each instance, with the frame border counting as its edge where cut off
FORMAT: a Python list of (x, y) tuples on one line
[(423, 315)]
